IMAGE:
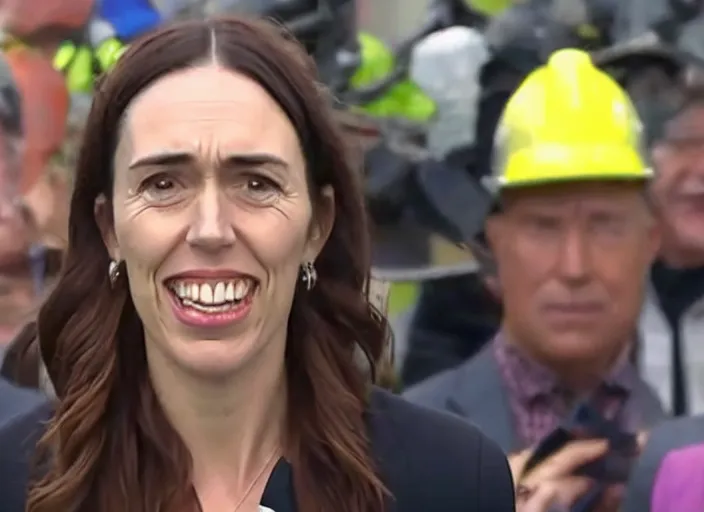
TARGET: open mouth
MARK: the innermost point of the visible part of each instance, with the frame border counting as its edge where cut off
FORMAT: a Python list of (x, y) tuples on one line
[(212, 296), (693, 202)]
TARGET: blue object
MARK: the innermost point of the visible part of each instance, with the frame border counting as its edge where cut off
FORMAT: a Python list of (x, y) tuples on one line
[(129, 18)]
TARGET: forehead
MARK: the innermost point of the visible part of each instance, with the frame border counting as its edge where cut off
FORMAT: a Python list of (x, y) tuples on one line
[(606, 194), (208, 110), (688, 123)]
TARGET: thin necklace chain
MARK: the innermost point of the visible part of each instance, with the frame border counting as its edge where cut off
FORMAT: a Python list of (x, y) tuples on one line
[(250, 488), (259, 476)]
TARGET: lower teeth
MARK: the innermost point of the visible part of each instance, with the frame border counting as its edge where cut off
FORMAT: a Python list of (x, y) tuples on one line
[(209, 309)]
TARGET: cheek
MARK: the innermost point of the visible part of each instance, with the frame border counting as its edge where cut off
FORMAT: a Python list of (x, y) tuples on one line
[(144, 242), (277, 241), (664, 187), (624, 276), (523, 264), (521, 288), (520, 280)]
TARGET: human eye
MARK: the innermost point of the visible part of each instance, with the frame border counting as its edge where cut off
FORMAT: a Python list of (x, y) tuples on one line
[(258, 189), (162, 189), (542, 223), (609, 224)]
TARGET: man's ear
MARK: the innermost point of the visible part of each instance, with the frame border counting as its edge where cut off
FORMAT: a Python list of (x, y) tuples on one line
[(322, 223), (493, 228), (658, 154), (102, 211), (654, 239)]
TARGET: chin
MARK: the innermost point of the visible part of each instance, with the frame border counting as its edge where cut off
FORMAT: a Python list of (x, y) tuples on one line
[(213, 358), (575, 346)]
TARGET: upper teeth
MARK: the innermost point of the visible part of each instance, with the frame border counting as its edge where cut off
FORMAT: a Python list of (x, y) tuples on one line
[(217, 292)]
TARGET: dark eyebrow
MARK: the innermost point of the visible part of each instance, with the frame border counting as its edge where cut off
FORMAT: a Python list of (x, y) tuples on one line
[(232, 161), (252, 161), (160, 159)]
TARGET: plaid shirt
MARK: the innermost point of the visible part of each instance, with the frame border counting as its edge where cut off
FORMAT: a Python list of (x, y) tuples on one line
[(540, 404)]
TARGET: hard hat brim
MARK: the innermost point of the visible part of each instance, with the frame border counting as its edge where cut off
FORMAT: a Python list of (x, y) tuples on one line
[(536, 182), (559, 164)]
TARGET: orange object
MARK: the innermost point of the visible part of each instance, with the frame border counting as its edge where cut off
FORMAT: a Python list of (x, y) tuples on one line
[(32, 20), (45, 107)]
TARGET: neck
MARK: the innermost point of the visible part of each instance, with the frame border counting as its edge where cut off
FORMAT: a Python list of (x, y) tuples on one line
[(231, 426), (578, 375)]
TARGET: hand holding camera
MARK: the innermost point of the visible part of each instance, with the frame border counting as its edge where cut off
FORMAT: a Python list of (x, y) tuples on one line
[(579, 467)]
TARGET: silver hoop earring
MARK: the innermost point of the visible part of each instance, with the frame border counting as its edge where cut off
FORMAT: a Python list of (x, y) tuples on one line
[(309, 275), (113, 271)]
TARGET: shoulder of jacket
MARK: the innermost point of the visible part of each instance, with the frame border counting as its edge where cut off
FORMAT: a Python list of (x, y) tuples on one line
[(426, 439)]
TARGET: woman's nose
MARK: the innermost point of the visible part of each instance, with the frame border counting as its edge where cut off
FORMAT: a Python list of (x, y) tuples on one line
[(211, 228)]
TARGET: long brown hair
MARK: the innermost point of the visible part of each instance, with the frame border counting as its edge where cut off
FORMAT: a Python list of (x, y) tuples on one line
[(110, 445)]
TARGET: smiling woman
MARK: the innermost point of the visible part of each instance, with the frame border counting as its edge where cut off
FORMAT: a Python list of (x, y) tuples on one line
[(202, 337)]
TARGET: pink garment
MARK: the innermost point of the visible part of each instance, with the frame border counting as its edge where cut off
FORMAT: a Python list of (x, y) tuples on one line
[(679, 483)]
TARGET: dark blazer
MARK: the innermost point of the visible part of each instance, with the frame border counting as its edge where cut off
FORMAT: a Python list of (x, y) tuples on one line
[(429, 460), (21, 426), (15, 401), (476, 391), (455, 317)]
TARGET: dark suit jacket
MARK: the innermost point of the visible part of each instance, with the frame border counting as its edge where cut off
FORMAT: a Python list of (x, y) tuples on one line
[(15, 401), (21, 415), (475, 390), (430, 461), (455, 317)]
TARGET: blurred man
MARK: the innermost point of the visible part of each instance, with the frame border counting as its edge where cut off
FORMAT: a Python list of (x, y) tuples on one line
[(671, 352), (456, 316), (14, 401), (573, 236), (13, 214), (672, 355), (32, 201)]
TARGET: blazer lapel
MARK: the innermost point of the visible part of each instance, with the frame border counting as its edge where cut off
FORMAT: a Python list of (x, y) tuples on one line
[(479, 395), (644, 404)]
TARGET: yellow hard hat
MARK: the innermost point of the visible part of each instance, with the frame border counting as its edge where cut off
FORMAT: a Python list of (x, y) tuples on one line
[(568, 121)]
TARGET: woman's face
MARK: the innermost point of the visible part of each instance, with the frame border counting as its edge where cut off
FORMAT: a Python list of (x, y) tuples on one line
[(212, 217)]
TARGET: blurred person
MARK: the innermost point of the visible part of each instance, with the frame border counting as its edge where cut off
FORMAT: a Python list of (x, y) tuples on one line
[(201, 339), (678, 483), (455, 317), (20, 409), (16, 402), (22, 363), (34, 247), (14, 216), (670, 350), (43, 24), (32, 243), (573, 237), (671, 355), (664, 78)]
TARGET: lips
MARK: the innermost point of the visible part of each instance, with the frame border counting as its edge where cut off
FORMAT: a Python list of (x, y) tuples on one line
[(574, 309), (211, 301), (692, 199), (210, 292)]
